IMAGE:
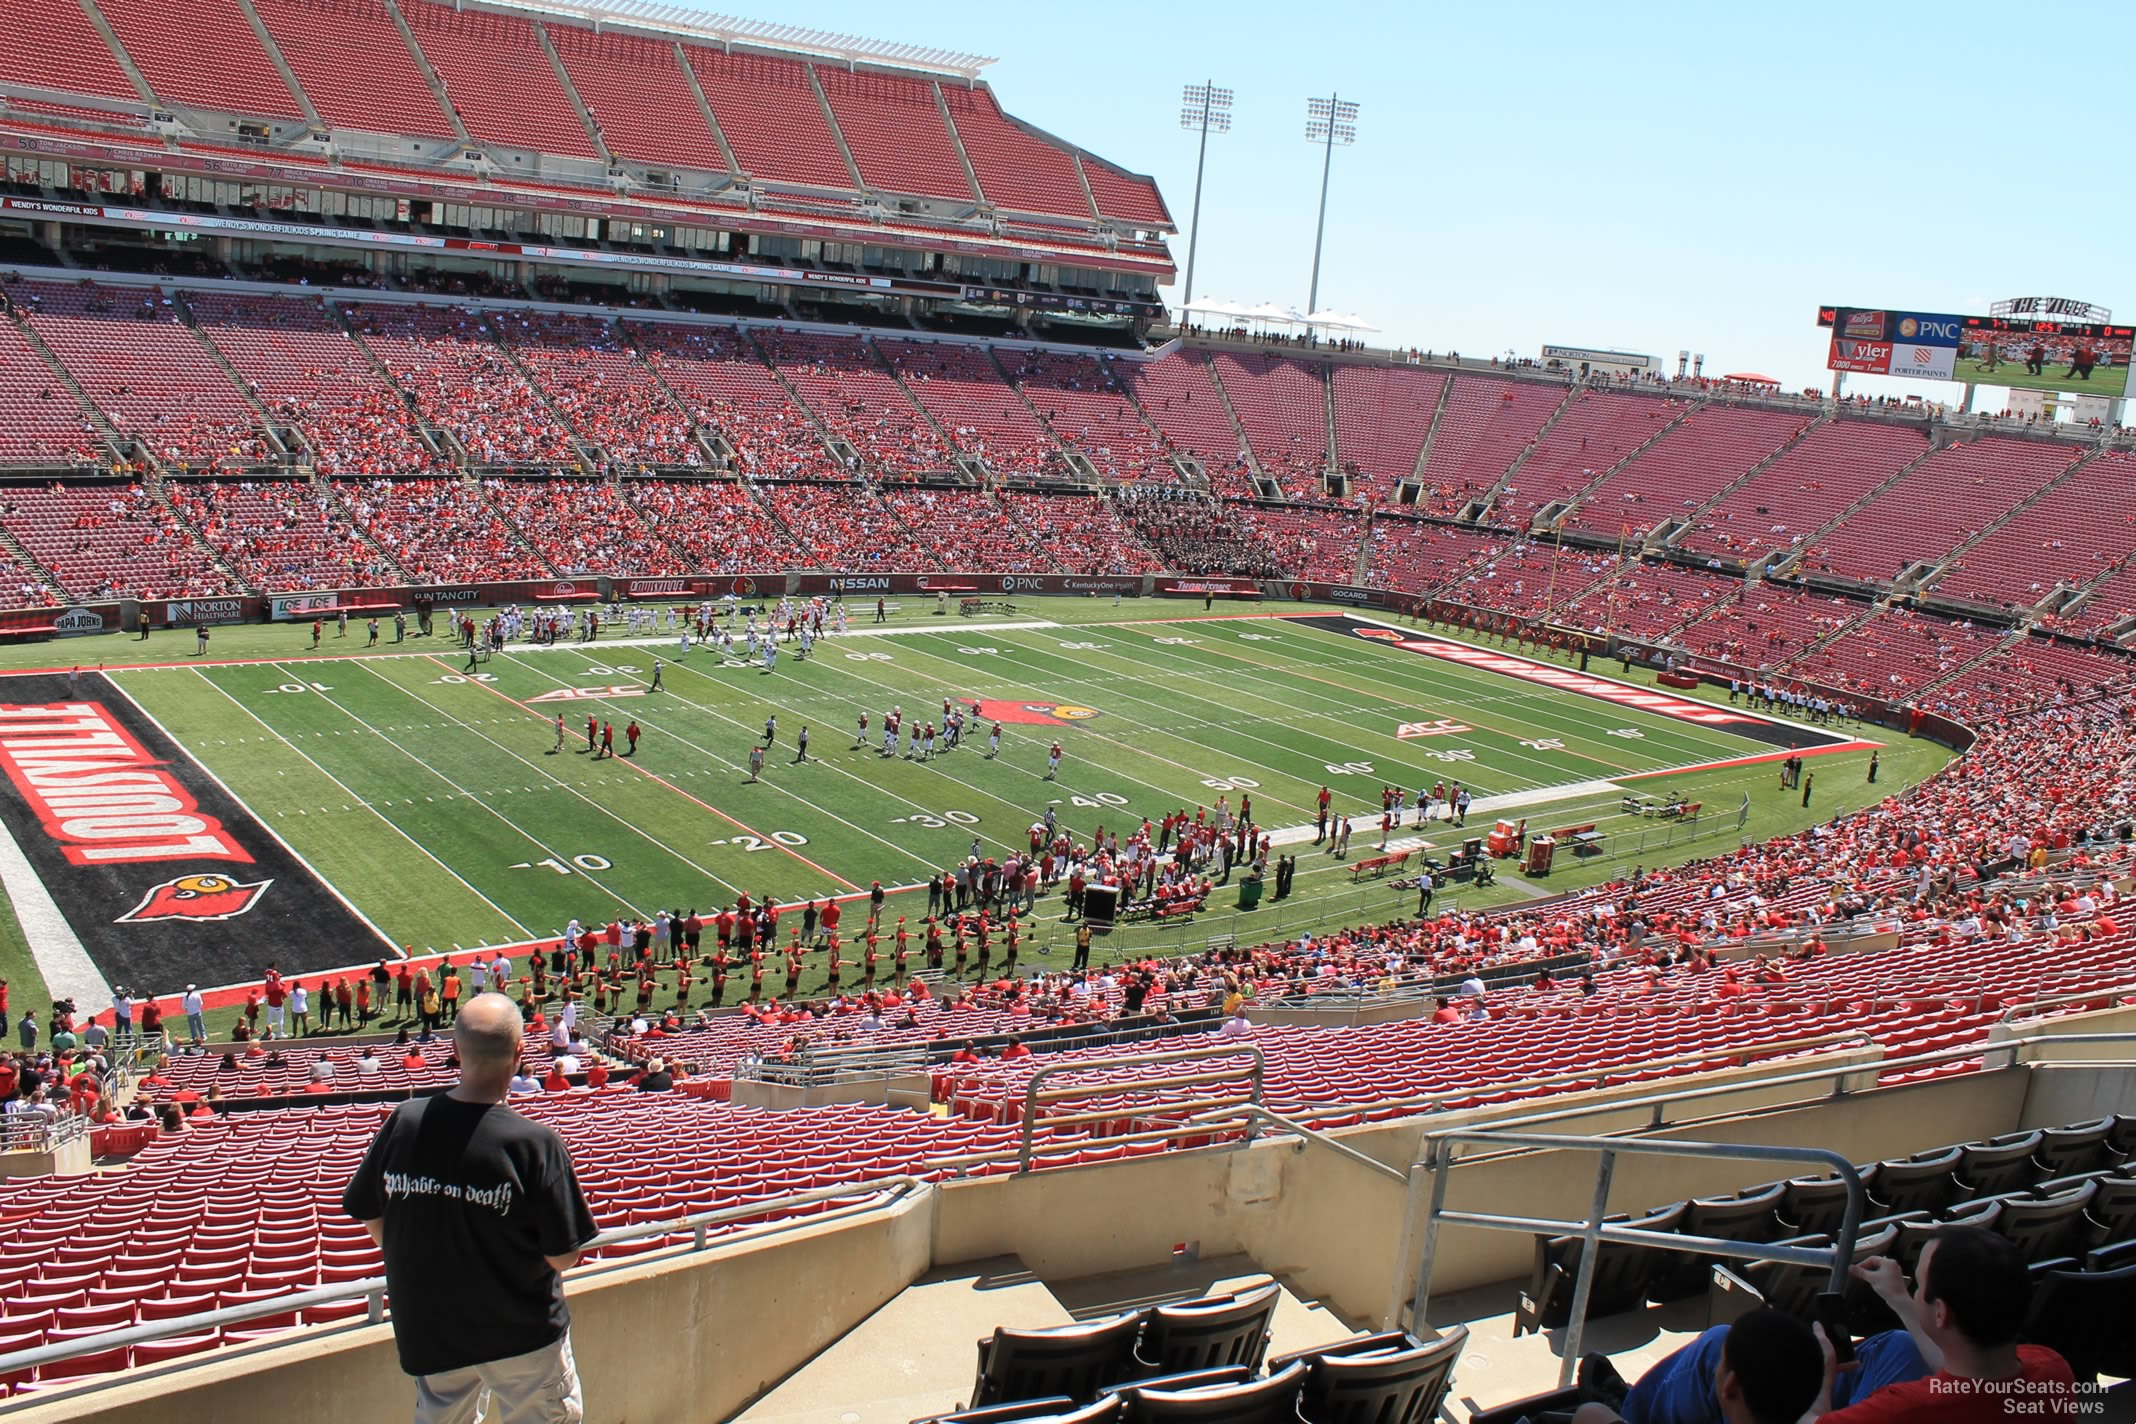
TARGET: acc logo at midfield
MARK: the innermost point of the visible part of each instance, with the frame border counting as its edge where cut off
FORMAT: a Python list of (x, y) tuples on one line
[(196, 897)]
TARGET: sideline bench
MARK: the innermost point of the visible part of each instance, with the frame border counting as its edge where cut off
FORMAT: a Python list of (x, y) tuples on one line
[(1379, 866), (971, 607)]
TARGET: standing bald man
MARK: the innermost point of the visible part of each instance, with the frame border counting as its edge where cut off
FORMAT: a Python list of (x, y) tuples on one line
[(477, 1211)]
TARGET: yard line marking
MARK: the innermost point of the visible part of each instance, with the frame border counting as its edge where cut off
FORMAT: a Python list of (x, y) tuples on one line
[(830, 765), (411, 840), (459, 790), (546, 720)]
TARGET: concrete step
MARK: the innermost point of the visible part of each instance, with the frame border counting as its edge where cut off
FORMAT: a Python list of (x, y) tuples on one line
[(1497, 1369), (917, 1355)]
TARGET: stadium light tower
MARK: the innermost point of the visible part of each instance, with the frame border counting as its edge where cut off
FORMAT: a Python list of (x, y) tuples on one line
[(1328, 122), (1207, 108)]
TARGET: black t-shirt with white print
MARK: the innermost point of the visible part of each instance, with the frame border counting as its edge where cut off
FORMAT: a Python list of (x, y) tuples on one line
[(473, 1197)]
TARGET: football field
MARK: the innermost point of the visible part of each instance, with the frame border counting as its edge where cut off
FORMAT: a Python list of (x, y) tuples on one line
[(424, 804)]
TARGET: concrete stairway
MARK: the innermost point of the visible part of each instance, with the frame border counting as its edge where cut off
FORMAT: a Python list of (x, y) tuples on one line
[(917, 1355)]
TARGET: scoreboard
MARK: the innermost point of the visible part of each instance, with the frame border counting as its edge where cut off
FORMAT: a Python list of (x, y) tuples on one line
[(2023, 346)]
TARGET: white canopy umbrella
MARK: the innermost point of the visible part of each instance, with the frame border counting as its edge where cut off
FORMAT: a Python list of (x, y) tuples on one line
[(1271, 313), (1339, 321), (1212, 306)]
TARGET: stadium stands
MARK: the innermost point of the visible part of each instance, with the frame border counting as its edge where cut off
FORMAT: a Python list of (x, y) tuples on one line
[(1650, 600), (1595, 432), (1895, 653), (858, 399), (639, 98), (2110, 601), (1382, 416), (1955, 494), (964, 391), (960, 526), (1016, 169), (41, 423), (1833, 465), (1081, 398), (1314, 542), (715, 525), (728, 389), (439, 530), (282, 535), (1769, 624), (309, 374), (385, 94), (1486, 425), (1419, 556), (1282, 406), (601, 387), (1083, 533), (894, 128), (841, 526), (771, 117), (1528, 580), (1177, 394), (1713, 446), (448, 360), (497, 78), (579, 526), (149, 375), (205, 55), (41, 40), (110, 540), (2069, 538)]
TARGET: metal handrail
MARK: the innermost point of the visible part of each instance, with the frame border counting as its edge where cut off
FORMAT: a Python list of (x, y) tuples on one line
[(1310, 1134), (373, 1288), (27, 1132), (1439, 1159), (1233, 1049)]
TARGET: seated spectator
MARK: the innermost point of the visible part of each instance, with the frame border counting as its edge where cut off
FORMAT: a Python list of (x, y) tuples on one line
[(524, 1081), (1958, 1343), (655, 1078), (367, 1064)]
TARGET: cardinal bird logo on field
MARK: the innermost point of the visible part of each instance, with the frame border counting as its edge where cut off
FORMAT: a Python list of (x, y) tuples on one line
[(1037, 714), (196, 897)]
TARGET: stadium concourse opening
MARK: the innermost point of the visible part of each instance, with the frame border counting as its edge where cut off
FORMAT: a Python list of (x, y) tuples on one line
[(1005, 816)]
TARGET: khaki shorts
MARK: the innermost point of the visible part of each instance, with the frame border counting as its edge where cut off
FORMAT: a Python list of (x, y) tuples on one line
[(539, 1387)]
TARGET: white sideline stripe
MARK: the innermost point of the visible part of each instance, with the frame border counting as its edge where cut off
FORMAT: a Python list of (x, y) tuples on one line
[(257, 819), (828, 640), (68, 970), (1481, 806)]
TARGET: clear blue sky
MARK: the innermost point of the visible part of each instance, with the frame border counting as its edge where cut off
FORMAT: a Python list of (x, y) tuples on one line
[(1651, 177)]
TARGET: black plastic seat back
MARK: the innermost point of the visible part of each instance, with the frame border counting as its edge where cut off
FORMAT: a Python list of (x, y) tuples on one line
[(1022, 1411), (2004, 1165), (1794, 1288), (2066, 1151), (1747, 1216), (1923, 1183), (1195, 1336), (1270, 1401), (1386, 1387), (1815, 1206), (1071, 1360), (2113, 1209), (2049, 1226), (2085, 1316), (1622, 1274)]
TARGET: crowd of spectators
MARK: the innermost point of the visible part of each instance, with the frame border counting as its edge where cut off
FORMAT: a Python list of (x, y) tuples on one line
[(1083, 533), (720, 526), (730, 390), (439, 530), (282, 535), (448, 360), (107, 540), (600, 386)]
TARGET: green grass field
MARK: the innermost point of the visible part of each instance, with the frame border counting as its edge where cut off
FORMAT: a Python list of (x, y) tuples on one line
[(434, 801)]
